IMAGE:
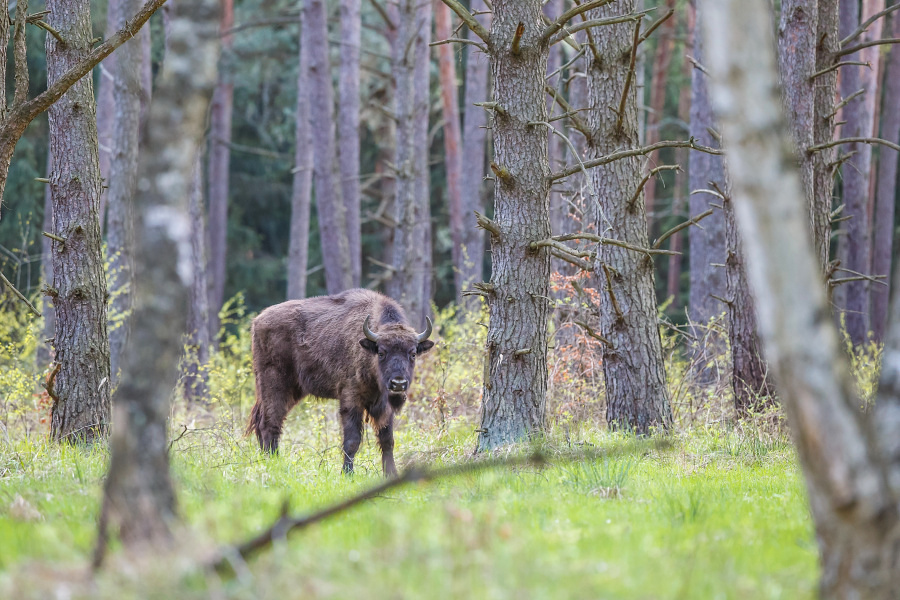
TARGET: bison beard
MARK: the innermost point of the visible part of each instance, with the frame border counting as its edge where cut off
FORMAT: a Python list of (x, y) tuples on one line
[(356, 347)]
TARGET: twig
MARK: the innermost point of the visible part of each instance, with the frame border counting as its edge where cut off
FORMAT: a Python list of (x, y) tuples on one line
[(487, 224), (648, 177), (517, 39), (578, 262), (634, 50), (865, 25), (609, 241), (612, 296), (678, 228), (872, 278), (50, 30), (471, 22), (845, 102), (181, 435), (591, 23), (843, 280), (19, 295), (854, 140), (655, 25), (454, 40), (838, 65), (576, 121), (383, 14), (858, 47), (554, 27), (589, 330), (53, 237)]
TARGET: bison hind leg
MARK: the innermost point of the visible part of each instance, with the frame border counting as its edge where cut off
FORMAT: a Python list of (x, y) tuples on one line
[(267, 417)]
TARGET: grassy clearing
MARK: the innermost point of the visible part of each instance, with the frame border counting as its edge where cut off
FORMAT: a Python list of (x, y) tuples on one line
[(708, 514)]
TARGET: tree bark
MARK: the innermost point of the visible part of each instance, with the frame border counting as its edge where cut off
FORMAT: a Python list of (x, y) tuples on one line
[(45, 354), (636, 396), (515, 386), (886, 192), (198, 341), (828, 43), (139, 501), (854, 510), (301, 194), (421, 114), (81, 408), (329, 201), (665, 45), (106, 105), (122, 181), (219, 169), (348, 128)]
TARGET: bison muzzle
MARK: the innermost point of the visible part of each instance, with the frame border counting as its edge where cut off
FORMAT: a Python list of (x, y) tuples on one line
[(356, 347)]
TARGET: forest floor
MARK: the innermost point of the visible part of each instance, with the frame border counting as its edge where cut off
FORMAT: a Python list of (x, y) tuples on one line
[(709, 513)]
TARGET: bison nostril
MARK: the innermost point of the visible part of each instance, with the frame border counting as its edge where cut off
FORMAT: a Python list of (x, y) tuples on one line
[(399, 385)]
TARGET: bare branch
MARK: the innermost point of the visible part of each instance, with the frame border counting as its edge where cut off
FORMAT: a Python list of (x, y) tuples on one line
[(470, 21), (576, 121), (628, 78), (487, 224), (655, 25), (854, 140), (648, 177), (589, 330), (591, 23), (845, 102), (865, 25), (383, 14), (609, 241), (578, 262), (612, 296), (48, 29), (479, 45), (681, 226), (858, 47), (554, 27), (19, 294), (838, 65)]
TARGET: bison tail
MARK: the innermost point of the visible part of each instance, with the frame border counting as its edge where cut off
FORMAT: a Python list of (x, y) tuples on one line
[(255, 423)]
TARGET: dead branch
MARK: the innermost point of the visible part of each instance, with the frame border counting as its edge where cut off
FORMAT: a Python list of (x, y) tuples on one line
[(681, 226), (591, 23), (862, 276), (49, 30), (576, 121), (653, 173), (865, 25), (854, 140), (590, 37), (471, 22), (612, 296), (517, 39), (838, 65), (554, 27), (630, 76), (578, 262), (383, 14), (49, 235), (655, 25), (492, 106), (455, 40), (858, 47), (560, 247), (604, 160), (609, 241), (845, 102), (19, 295), (487, 224), (590, 331)]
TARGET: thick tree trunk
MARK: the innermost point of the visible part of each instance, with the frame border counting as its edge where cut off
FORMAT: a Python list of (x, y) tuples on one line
[(329, 201), (854, 510), (515, 387), (106, 105), (886, 191), (301, 194), (198, 341), (219, 161), (139, 500), (855, 247), (81, 408), (122, 181), (633, 369), (348, 128), (665, 44), (828, 43), (473, 155)]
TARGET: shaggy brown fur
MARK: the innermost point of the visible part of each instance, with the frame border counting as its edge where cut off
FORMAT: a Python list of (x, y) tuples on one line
[(317, 347)]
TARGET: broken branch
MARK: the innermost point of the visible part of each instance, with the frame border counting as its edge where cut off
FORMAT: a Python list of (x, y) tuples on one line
[(554, 27), (634, 50), (604, 160), (471, 22), (681, 226), (19, 295), (854, 140), (858, 47)]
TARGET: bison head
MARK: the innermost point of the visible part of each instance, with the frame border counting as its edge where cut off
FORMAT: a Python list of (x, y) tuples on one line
[(396, 347)]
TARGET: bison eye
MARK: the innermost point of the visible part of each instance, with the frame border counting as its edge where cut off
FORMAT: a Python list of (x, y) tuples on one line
[(412, 355), (381, 354)]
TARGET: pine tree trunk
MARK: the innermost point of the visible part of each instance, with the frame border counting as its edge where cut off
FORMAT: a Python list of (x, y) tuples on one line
[(106, 106), (139, 501), (122, 181), (665, 45), (421, 114), (301, 194), (329, 201), (886, 192), (633, 369), (219, 168), (828, 43), (515, 387), (45, 353), (348, 128), (81, 408), (198, 341), (854, 509)]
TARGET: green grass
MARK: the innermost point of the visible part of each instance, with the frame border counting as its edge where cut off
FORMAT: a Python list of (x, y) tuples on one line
[(708, 514)]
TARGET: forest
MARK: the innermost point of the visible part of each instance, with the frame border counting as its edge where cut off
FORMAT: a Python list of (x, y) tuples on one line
[(450, 298)]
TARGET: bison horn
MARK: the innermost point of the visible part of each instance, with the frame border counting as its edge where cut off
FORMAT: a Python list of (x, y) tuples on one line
[(424, 335), (371, 335)]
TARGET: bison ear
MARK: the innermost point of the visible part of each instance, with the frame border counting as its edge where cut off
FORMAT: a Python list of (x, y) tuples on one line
[(424, 347), (369, 345)]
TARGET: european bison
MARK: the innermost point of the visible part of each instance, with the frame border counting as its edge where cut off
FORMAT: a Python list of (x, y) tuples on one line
[(356, 347)]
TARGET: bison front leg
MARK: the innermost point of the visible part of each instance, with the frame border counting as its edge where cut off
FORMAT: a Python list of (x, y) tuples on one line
[(386, 441), (352, 424)]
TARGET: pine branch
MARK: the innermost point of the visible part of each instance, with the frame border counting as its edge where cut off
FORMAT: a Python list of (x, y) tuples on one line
[(554, 27), (681, 226), (471, 22), (864, 45), (591, 23), (19, 294), (604, 160), (854, 140), (838, 65), (862, 28), (630, 76)]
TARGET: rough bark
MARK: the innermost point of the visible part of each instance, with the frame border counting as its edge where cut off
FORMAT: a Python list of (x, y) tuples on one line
[(633, 369), (854, 511), (81, 407), (301, 194), (219, 161), (139, 501), (198, 340), (558, 149), (886, 191), (452, 144), (421, 114), (122, 181), (473, 155), (515, 386), (348, 128), (659, 77), (45, 353), (329, 201), (855, 247), (106, 106)]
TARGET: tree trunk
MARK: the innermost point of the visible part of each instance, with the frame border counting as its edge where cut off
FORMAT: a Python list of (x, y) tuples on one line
[(828, 43), (886, 193), (348, 128), (665, 45), (636, 396), (515, 386), (298, 250), (452, 145), (421, 114), (473, 156), (45, 354), (198, 341), (81, 409), (219, 168), (855, 247), (139, 501), (106, 105), (122, 180), (329, 201), (854, 511)]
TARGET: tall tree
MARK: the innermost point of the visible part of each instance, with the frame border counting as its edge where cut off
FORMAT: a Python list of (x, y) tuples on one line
[(81, 408), (659, 77), (348, 128), (301, 194), (886, 190), (850, 464), (329, 203), (218, 173), (45, 354), (197, 344), (106, 106), (127, 87), (139, 500)]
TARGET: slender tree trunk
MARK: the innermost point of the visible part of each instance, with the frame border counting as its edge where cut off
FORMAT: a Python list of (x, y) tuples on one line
[(301, 195), (198, 341), (665, 44), (106, 105), (122, 181), (855, 247), (422, 146), (219, 169), (139, 501), (515, 387), (558, 150), (348, 128), (452, 144), (81, 408), (45, 353), (854, 509), (886, 192), (473, 155), (636, 395), (329, 201)]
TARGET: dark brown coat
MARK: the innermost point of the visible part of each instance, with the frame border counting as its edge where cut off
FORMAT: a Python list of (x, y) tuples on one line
[(320, 347)]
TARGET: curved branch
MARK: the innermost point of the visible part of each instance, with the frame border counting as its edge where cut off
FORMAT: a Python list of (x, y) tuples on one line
[(554, 27), (470, 20), (854, 140)]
